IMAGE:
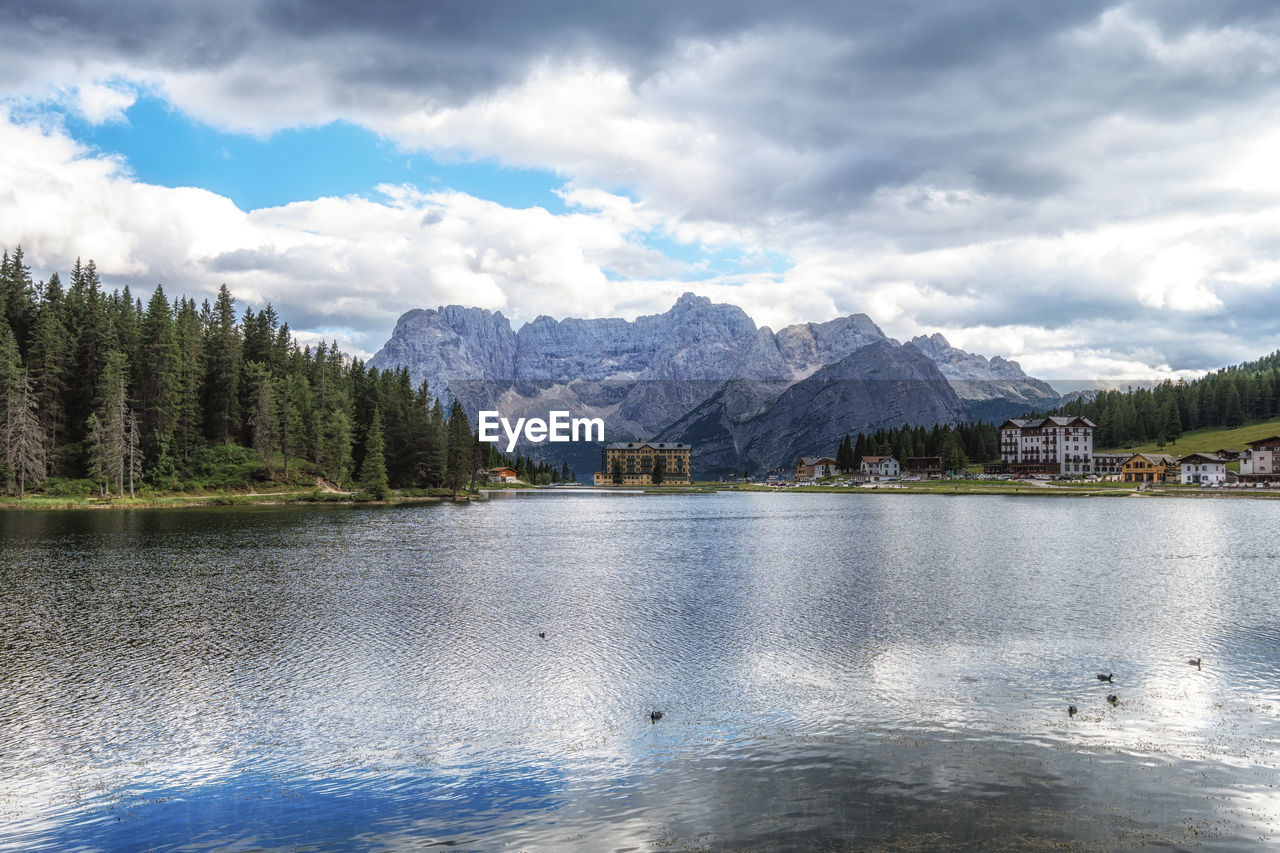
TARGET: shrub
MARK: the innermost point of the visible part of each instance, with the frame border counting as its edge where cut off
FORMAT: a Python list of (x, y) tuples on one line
[(61, 487)]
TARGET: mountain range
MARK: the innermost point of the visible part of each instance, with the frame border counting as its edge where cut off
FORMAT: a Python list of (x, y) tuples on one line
[(745, 397)]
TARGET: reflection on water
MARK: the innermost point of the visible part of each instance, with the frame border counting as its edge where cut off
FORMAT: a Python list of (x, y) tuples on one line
[(835, 671)]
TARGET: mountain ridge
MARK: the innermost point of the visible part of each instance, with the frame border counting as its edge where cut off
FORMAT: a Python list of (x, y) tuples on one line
[(647, 377)]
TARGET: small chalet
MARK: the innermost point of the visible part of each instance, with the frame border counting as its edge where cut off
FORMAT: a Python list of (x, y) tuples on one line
[(925, 467), (1149, 468), (1202, 469), (877, 468), (813, 467), (503, 475)]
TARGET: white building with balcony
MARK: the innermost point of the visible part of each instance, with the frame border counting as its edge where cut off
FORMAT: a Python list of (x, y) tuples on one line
[(1053, 445)]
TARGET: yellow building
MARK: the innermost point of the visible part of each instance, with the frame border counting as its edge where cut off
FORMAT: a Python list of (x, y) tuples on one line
[(1149, 468), (635, 461)]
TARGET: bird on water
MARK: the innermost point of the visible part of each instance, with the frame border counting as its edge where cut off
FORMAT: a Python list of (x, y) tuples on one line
[(654, 716), (1113, 699), (1195, 662), (1072, 710), (1108, 677), (542, 634)]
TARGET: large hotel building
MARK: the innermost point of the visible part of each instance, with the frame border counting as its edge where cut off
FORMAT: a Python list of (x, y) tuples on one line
[(1053, 445), (636, 461)]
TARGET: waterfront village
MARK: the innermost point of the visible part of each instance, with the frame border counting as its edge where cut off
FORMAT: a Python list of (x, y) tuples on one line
[(1056, 447)]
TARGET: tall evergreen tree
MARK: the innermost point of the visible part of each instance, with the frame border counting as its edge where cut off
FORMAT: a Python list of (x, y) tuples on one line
[(24, 440), (222, 370), (373, 468), (114, 417), (49, 361), (459, 459), (264, 416), (159, 375), (189, 421)]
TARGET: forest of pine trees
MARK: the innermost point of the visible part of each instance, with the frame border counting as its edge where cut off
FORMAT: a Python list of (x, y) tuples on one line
[(1225, 398), (100, 392), (956, 446)]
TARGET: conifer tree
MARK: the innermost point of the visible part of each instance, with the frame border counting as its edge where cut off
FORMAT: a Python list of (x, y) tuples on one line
[(114, 417), (1234, 409), (222, 370), (335, 447), (189, 419), (292, 396), (49, 361), (133, 449), (373, 468), (263, 419), (159, 375), (99, 464), (24, 440), (459, 459)]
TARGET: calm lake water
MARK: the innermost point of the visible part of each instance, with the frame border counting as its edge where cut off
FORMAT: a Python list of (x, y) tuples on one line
[(835, 672)]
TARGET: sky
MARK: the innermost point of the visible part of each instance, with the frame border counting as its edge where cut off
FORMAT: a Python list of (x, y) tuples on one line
[(1091, 188)]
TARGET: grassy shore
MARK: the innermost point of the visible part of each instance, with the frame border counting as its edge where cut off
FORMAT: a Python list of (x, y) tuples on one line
[(158, 500), (1209, 440)]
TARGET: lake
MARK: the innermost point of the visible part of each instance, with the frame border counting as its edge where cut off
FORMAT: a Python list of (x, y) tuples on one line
[(834, 672)]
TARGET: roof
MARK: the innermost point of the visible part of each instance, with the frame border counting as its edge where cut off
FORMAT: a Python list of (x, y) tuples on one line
[(1275, 439), (1052, 420), (876, 460), (1154, 458), (1207, 457), (816, 460), (636, 445), (924, 460)]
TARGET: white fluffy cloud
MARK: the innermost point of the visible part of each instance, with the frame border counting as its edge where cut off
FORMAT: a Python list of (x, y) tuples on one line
[(1090, 189)]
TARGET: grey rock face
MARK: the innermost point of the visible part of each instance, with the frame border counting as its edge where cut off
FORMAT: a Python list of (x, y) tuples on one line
[(977, 378), (880, 384), (703, 372), (451, 344)]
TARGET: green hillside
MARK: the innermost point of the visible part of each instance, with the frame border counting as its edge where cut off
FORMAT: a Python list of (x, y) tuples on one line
[(1207, 440)]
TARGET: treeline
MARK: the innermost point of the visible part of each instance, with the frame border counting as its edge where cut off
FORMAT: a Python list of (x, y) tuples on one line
[(99, 387), (956, 446), (1224, 398)]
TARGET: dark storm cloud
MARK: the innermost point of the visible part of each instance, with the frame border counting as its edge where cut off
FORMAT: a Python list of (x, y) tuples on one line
[(965, 90)]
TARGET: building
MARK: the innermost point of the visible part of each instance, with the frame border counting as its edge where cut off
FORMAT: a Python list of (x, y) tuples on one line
[(1149, 468), (1053, 445), (636, 460), (1109, 464), (813, 467), (1227, 454), (503, 475), (1201, 469), (876, 468), (1258, 462), (925, 467)]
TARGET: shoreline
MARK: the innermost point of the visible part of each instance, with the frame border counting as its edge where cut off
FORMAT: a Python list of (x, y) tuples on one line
[(940, 488)]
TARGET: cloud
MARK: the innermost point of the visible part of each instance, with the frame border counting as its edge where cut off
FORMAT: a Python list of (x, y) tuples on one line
[(1013, 174), (100, 104)]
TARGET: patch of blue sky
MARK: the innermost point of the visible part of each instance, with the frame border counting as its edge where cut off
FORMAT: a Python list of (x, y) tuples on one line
[(166, 147), (702, 262)]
